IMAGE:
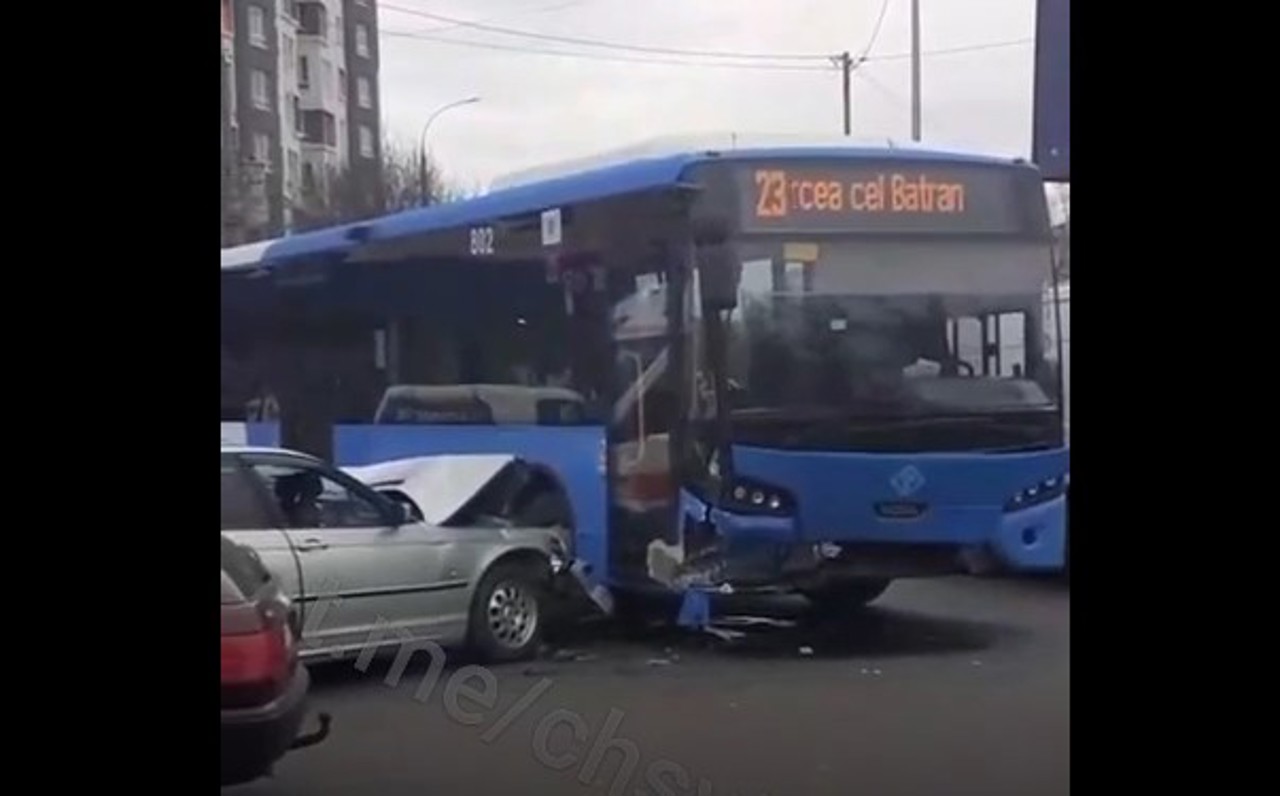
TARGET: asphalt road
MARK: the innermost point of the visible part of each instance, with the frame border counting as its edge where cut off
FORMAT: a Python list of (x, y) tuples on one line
[(946, 688)]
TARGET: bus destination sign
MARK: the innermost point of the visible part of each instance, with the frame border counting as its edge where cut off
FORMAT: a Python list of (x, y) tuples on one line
[(891, 198)]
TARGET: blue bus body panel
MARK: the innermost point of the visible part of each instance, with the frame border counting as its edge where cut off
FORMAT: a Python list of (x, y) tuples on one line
[(635, 176), (262, 435), (836, 493), (332, 242), (965, 496)]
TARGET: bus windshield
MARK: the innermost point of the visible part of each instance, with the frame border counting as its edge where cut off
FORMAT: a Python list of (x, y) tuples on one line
[(891, 345)]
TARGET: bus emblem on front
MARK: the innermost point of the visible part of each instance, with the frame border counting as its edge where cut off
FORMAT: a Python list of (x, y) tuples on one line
[(907, 481)]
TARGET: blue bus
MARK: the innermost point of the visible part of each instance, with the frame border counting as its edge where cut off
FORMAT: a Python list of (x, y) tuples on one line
[(799, 369)]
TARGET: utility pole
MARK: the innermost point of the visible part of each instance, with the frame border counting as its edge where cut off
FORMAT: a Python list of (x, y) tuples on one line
[(915, 70), (845, 62)]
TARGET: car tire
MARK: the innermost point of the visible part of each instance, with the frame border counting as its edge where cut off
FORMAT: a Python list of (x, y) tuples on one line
[(842, 599), (509, 612)]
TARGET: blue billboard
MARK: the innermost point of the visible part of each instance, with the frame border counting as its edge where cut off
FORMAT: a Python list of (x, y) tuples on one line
[(1051, 136)]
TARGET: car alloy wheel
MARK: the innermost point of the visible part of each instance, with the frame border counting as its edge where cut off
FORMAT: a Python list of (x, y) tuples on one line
[(512, 614)]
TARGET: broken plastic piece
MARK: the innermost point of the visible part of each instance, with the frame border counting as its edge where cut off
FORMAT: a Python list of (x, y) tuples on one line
[(724, 633), (754, 621), (695, 610), (598, 592)]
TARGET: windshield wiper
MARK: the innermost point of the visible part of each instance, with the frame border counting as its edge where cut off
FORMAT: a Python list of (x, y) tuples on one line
[(768, 414), (1031, 447)]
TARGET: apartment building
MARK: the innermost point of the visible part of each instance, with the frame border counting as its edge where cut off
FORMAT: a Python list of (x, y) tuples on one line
[(300, 111)]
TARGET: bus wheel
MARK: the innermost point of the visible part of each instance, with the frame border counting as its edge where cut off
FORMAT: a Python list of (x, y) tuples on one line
[(841, 599)]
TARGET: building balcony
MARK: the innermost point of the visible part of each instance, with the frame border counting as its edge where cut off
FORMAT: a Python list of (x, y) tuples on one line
[(313, 21)]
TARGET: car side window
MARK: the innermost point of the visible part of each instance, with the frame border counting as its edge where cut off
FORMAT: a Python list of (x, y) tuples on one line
[(310, 498), (243, 507)]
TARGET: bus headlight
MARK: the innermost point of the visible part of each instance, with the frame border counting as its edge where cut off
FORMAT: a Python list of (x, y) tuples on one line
[(1041, 492), (752, 497)]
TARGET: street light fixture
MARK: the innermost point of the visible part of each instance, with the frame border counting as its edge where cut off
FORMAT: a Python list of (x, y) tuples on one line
[(422, 143)]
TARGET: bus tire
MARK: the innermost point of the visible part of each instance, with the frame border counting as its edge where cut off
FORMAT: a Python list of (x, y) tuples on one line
[(509, 613), (842, 599)]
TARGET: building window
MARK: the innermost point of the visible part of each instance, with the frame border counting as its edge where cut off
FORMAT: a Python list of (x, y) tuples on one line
[(312, 19), (308, 178), (257, 27), (318, 128), (366, 142), (362, 41), (304, 72), (262, 148), (364, 92), (293, 169), (259, 91), (297, 114), (288, 52), (342, 85)]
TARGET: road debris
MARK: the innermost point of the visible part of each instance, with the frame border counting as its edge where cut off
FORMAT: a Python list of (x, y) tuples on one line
[(566, 655), (537, 671), (724, 633), (754, 621), (806, 651)]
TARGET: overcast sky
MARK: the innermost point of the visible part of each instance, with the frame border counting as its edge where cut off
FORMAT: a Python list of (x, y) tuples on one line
[(537, 107)]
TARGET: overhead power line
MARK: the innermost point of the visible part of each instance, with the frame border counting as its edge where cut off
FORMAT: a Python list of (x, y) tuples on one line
[(968, 48), (561, 6), (875, 33), (600, 43), (614, 58), (427, 36)]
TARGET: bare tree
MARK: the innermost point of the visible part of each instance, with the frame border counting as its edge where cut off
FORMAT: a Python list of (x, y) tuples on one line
[(355, 194)]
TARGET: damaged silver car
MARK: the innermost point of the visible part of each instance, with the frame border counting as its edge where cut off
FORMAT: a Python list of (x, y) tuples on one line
[(435, 549)]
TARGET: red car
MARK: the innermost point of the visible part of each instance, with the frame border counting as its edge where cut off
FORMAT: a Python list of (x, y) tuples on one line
[(264, 688)]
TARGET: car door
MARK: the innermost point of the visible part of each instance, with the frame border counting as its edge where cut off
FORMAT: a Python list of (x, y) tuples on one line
[(249, 519), (359, 568)]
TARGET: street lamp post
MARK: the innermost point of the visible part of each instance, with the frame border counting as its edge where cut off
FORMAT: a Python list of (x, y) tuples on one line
[(422, 143)]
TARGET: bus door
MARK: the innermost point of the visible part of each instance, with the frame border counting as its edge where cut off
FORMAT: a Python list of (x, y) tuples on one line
[(645, 307)]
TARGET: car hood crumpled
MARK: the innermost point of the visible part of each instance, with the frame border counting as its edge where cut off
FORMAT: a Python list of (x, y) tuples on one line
[(440, 486)]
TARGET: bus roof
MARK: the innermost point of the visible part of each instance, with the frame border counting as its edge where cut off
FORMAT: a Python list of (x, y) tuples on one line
[(631, 174)]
